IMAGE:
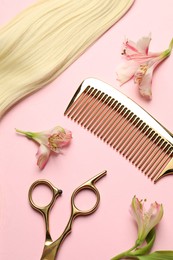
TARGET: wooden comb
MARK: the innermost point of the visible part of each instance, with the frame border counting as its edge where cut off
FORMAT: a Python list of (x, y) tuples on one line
[(124, 125)]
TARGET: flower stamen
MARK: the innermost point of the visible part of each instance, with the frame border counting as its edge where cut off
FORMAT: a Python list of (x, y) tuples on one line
[(140, 73), (54, 140)]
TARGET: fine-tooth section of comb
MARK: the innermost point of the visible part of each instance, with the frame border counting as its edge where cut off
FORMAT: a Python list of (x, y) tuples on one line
[(125, 126)]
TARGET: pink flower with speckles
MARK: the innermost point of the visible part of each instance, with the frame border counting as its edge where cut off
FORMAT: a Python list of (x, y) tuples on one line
[(50, 141), (140, 64), (146, 220)]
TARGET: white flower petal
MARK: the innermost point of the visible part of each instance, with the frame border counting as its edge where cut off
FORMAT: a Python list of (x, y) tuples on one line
[(42, 156), (126, 71), (143, 44), (130, 48), (145, 85)]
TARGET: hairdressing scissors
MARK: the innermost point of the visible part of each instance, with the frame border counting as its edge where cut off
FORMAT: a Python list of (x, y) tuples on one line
[(51, 247)]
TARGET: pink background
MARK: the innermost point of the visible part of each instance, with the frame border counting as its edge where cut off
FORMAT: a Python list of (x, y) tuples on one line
[(111, 228)]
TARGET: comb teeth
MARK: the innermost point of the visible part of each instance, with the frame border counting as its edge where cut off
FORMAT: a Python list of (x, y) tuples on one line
[(122, 129)]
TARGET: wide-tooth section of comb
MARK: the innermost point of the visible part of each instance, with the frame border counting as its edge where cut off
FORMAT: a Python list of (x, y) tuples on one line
[(123, 125)]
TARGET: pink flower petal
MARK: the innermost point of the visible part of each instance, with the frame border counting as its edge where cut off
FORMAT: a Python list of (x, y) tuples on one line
[(126, 71), (137, 209), (67, 138), (57, 129), (130, 48), (155, 212), (145, 85), (143, 44), (42, 156)]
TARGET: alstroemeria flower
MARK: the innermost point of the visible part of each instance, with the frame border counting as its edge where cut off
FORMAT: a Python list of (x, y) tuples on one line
[(146, 220), (50, 141), (140, 64)]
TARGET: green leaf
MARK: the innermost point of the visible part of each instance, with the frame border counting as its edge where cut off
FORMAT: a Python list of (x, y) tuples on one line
[(146, 249), (158, 255)]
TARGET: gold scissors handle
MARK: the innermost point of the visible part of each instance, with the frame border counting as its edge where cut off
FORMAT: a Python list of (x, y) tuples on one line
[(46, 209), (51, 248), (90, 185)]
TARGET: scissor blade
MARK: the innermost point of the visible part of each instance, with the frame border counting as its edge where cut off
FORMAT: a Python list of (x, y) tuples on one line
[(50, 251)]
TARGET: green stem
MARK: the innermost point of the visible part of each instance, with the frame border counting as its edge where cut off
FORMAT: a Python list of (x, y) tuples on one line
[(167, 52), (171, 45), (125, 254), (27, 134)]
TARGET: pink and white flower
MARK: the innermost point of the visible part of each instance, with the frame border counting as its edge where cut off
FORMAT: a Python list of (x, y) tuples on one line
[(146, 220), (140, 64), (50, 141)]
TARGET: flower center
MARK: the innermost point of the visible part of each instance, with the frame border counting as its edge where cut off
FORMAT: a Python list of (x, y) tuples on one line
[(140, 73), (54, 141)]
